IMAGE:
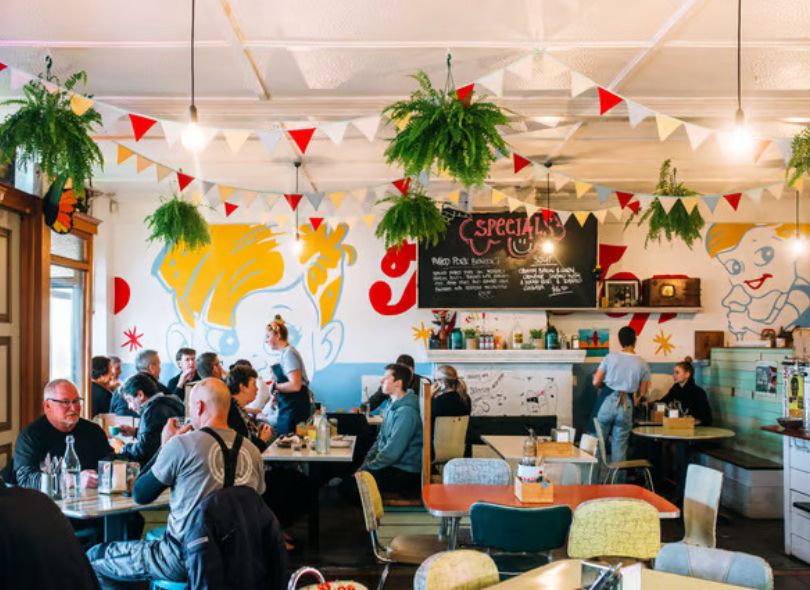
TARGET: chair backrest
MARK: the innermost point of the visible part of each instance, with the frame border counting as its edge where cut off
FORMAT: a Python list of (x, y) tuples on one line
[(600, 437), (370, 498), (729, 567), (449, 437), (701, 503), (619, 527), (589, 444), (529, 530), (489, 472), (450, 570)]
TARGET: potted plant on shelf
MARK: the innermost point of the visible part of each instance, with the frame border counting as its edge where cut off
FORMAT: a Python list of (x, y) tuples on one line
[(412, 216), (678, 222), (446, 130), (45, 130), (538, 339), (178, 222), (471, 339)]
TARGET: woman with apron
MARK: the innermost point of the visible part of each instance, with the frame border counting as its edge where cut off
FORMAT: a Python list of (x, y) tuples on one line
[(290, 380)]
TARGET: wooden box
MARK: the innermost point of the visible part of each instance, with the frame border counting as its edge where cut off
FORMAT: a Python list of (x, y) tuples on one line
[(555, 449), (658, 417), (801, 343), (683, 423), (534, 493), (675, 292), (705, 340)]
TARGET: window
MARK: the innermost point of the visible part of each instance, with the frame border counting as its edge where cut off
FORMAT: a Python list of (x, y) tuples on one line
[(67, 324)]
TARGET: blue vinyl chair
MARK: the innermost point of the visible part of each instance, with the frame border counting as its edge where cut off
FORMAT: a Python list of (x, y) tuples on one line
[(718, 565)]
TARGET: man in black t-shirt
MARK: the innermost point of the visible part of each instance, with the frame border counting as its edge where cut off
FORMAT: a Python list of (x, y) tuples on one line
[(100, 391)]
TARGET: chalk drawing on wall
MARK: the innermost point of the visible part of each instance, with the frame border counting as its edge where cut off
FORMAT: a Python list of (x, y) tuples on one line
[(664, 342), (421, 332), (133, 339), (768, 283), (225, 293)]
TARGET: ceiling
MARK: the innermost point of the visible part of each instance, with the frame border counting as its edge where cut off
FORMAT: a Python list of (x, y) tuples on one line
[(265, 61)]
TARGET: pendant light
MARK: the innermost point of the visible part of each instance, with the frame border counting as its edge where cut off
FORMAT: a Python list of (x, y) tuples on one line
[(192, 137), (298, 245), (548, 243), (798, 241), (740, 141)]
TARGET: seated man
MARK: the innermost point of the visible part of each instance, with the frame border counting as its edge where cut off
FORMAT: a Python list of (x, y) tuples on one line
[(208, 365), (119, 405), (395, 458), (378, 397), (241, 382), (155, 409), (189, 463), (115, 382), (148, 363), (101, 393), (187, 362)]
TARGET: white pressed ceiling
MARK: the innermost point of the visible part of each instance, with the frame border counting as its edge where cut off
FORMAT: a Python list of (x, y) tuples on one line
[(261, 61)]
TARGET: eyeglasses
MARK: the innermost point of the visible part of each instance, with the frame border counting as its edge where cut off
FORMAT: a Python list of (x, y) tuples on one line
[(65, 403)]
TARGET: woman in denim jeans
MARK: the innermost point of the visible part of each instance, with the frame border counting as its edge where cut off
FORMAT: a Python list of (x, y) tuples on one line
[(626, 378)]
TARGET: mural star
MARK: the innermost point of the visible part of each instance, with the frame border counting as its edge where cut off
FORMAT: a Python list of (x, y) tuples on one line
[(133, 339), (664, 342), (421, 333)]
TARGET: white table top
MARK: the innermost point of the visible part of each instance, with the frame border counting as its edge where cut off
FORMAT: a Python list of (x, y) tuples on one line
[(95, 505), (699, 433), (335, 455), (511, 449)]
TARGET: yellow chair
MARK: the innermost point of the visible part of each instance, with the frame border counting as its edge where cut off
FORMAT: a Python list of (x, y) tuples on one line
[(456, 570), (615, 527), (409, 549), (449, 438)]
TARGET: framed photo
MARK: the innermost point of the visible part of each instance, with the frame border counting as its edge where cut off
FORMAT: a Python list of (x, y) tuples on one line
[(624, 293)]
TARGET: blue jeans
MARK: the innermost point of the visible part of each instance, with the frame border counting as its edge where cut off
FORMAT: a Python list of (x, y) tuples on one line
[(616, 420)]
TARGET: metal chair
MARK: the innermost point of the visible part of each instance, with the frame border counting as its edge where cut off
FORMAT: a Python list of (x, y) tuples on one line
[(613, 468), (701, 503), (718, 565), (451, 570), (615, 527), (572, 472)]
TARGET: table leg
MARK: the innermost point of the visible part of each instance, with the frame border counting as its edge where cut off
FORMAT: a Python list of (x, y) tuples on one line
[(452, 534), (115, 528), (314, 517)]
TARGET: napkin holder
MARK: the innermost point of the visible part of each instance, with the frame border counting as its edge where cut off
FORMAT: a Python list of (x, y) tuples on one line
[(112, 477), (555, 449), (686, 423), (534, 492)]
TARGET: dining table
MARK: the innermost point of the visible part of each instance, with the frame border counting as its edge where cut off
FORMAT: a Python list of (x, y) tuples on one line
[(113, 508), (510, 448), (453, 501)]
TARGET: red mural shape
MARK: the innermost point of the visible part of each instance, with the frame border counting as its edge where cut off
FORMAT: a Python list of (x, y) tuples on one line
[(133, 339), (121, 293), (397, 261)]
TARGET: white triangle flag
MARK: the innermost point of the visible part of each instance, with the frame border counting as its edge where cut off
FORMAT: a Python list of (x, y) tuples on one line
[(335, 130), (548, 121), (236, 138), (171, 131), (368, 126), (269, 139), (600, 215), (513, 204), (696, 134), (636, 112), (493, 81), (207, 134), (523, 67), (247, 198), (776, 190), (19, 78), (785, 147), (559, 181), (616, 212), (645, 200), (213, 199), (207, 186), (755, 194), (666, 126), (270, 200), (531, 210), (109, 114), (667, 203), (552, 67), (359, 195), (564, 215), (580, 83)]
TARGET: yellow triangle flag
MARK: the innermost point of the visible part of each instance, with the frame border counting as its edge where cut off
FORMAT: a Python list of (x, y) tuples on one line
[(162, 172), (142, 163), (225, 192), (581, 187), (196, 197), (337, 198), (666, 125), (581, 216), (454, 197), (689, 202), (124, 154), (369, 219), (80, 104), (799, 184), (497, 196)]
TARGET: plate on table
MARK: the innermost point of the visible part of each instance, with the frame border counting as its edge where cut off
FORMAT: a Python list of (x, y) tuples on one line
[(285, 442), (341, 443)]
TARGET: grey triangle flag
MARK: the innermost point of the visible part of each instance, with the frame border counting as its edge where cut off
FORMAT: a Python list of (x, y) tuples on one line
[(315, 199)]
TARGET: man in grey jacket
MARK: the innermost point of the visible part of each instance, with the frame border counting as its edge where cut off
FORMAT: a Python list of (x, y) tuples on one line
[(395, 459)]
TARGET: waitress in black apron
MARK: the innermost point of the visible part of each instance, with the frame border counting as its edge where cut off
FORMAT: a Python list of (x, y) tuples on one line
[(290, 381)]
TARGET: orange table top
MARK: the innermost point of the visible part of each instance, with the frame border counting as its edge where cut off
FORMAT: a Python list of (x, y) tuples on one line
[(454, 500)]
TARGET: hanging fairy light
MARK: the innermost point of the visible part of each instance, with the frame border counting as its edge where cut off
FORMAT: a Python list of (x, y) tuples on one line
[(297, 245), (192, 138), (548, 243), (739, 142)]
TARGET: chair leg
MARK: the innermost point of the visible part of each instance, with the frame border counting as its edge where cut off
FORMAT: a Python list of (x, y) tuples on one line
[(648, 478), (383, 577)]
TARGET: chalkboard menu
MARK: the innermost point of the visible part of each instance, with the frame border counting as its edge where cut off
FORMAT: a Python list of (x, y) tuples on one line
[(495, 260)]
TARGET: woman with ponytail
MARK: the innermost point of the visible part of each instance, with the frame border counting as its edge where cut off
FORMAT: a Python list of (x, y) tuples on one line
[(690, 395), (291, 382)]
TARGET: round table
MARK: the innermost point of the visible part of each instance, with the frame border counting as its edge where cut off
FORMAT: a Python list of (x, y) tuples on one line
[(682, 438)]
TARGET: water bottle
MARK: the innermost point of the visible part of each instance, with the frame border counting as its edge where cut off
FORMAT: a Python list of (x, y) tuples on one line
[(71, 471), (323, 440)]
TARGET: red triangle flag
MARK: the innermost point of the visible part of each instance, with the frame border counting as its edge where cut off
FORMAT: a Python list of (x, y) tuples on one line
[(293, 200), (140, 125), (464, 94), (607, 100), (2, 67), (733, 200), (183, 180), (547, 214), (316, 222), (624, 198), (519, 162), (301, 137), (402, 185), (635, 206), (230, 208)]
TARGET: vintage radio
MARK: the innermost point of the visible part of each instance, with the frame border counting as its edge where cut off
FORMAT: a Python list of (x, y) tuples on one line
[(674, 292)]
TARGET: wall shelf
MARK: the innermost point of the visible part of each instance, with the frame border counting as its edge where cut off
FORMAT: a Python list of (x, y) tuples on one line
[(685, 310), (563, 357)]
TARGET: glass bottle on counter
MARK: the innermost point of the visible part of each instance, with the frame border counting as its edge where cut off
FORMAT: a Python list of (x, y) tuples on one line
[(552, 338), (517, 336), (71, 471)]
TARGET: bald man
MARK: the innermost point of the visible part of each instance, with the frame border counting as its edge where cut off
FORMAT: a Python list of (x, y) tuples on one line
[(189, 462)]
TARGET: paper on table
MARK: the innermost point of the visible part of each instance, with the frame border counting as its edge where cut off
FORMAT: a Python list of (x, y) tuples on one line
[(631, 577)]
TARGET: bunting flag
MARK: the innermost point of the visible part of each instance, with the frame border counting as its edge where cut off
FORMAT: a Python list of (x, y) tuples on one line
[(171, 131), (109, 114), (493, 81), (733, 200), (798, 184), (302, 137), (368, 219), (140, 125), (667, 204), (402, 122), (617, 213), (600, 215), (666, 126), (547, 214), (531, 209), (755, 194), (513, 204), (360, 195), (497, 196), (230, 208), (776, 190), (607, 100), (196, 198), (637, 113), (785, 147), (2, 67), (564, 215), (464, 94), (696, 134), (80, 104), (711, 202), (207, 186), (368, 126), (581, 187), (162, 172), (762, 145), (225, 192), (580, 84), (402, 185), (634, 206), (424, 178), (454, 196), (547, 121), (142, 164), (690, 203), (315, 222), (519, 162), (624, 198), (603, 192), (269, 140), (293, 200), (582, 217), (337, 199), (236, 138), (553, 67), (315, 199), (248, 197), (523, 67), (124, 154), (183, 180), (335, 131)]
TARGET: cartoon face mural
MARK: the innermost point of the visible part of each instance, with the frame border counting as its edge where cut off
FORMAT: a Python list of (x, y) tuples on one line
[(227, 292), (769, 283)]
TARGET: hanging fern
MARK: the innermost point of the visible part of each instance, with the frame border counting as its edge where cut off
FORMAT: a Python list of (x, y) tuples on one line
[(45, 131), (800, 160), (178, 222), (412, 216), (440, 130), (678, 222)]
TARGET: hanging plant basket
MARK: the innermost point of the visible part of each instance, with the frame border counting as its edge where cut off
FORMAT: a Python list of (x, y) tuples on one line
[(799, 164), (412, 216), (45, 131), (678, 223), (459, 138), (178, 222)]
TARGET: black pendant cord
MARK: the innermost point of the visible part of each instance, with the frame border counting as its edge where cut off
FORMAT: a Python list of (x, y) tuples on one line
[(297, 165), (193, 107), (548, 192), (739, 58), (797, 216)]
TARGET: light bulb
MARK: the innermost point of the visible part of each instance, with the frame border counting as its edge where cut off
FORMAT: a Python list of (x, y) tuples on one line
[(739, 142), (548, 247), (192, 137), (297, 246), (798, 246)]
